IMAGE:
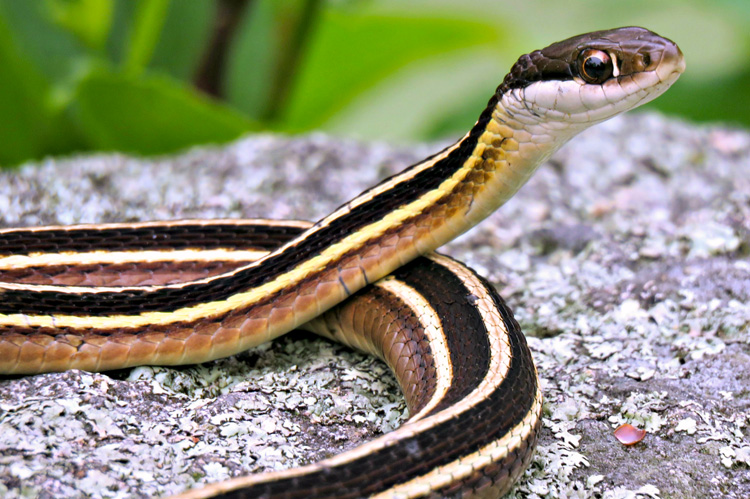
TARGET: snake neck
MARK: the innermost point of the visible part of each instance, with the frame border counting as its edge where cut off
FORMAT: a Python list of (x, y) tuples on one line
[(501, 152)]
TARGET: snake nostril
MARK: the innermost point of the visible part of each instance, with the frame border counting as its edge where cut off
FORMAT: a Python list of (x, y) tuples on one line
[(646, 60)]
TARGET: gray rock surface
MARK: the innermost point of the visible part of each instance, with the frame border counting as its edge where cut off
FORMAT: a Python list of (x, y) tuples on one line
[(626, 261)]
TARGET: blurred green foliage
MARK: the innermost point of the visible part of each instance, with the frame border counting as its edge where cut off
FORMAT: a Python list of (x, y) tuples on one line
[(124, 75)]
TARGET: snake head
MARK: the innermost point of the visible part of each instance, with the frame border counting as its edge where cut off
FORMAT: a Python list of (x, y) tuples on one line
[(592, 77)]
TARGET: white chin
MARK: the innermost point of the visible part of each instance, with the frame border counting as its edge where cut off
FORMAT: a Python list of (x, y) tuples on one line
[(574, 101)]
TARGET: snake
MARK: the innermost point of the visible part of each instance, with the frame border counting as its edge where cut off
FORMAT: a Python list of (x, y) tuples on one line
[(109, 296)]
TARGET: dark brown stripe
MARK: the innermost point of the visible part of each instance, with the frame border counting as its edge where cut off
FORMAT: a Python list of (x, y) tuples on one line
[(166, 300), (466, 433), (442, 444), (450, 299), (166, 237)]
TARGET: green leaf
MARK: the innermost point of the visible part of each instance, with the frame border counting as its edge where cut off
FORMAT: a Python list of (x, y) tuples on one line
[(176, 53), (147, 25), (725, 99), (424, 101), (151, 115), (24, 113), (352, 52), (88, 20)]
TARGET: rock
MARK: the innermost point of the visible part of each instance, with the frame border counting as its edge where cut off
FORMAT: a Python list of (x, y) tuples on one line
[(626, 262)]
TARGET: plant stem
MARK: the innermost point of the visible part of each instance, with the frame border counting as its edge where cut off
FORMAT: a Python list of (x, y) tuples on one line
[(211, 71), (285, 70)]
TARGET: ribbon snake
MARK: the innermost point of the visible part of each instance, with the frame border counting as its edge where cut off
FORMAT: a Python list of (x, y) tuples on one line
[(109, 296)]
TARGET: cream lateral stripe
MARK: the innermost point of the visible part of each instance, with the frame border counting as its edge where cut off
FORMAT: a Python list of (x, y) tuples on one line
[(500, 359), (302, 224), (500, 353), (352, 242), (10, 261), (460, 469), (124, 257), (212, 309), (433, 329)]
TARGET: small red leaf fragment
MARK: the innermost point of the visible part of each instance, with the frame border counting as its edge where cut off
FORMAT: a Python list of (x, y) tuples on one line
[(628, 434)]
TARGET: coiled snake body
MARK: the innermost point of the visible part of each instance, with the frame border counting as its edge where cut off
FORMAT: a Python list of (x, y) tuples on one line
[(458, 354)]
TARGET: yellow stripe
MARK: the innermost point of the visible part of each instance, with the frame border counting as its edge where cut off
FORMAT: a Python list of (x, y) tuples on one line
[(433, 329), (463, 467), (385, 186), (212, 309), (500, 359)]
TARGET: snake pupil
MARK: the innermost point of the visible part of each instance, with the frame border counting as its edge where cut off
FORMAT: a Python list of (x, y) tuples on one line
[(595, 66)]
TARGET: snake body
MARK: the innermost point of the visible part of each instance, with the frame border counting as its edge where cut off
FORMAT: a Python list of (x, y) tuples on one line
[(465, 369)]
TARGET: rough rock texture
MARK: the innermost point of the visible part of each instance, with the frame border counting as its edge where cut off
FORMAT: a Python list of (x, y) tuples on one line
[(626, 260)]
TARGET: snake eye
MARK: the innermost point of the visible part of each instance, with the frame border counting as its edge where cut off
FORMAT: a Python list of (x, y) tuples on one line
[(594, 66)]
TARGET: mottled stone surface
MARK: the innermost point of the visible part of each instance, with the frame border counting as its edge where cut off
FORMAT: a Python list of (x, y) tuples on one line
[(626, 260)]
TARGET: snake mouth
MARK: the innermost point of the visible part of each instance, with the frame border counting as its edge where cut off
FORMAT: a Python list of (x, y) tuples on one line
[(672, 64)]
